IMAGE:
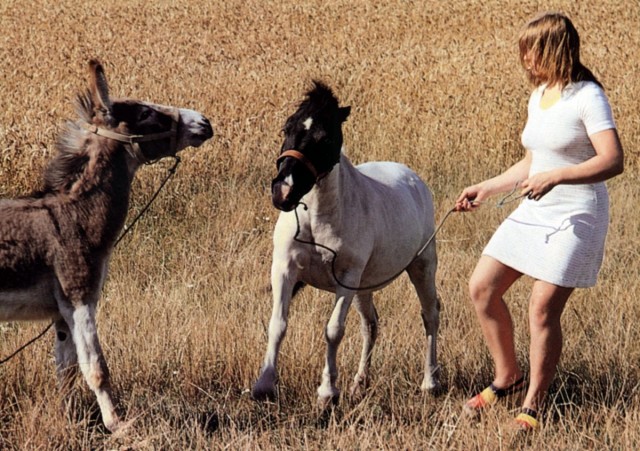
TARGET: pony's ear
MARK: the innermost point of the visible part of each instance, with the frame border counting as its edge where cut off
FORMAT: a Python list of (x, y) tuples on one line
[(99, 89), (343, 113)]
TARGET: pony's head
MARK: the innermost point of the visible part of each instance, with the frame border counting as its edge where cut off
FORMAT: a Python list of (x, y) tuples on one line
[(311, 147), (151, 131)]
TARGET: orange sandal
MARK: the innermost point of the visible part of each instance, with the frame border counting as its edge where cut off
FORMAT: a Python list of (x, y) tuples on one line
[(490, 396), (527, 420)]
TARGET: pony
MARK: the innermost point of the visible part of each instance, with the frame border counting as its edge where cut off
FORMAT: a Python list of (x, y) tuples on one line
[(349, 230), (55, 244)]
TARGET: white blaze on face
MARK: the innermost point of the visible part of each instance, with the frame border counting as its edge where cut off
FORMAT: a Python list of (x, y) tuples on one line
[(307, 123)]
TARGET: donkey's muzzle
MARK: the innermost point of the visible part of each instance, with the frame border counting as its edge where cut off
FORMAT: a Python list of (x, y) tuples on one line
[(204, 132)]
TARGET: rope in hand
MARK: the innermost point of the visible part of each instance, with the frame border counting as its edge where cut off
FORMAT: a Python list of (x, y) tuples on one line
[(508, 198), (171, 172)]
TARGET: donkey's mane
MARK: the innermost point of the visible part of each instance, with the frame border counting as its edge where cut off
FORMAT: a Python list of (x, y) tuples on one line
[(70, 161)]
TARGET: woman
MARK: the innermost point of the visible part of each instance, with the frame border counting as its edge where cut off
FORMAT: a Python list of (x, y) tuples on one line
[(557, 233)]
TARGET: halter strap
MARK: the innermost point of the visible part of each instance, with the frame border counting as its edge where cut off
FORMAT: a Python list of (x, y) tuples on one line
[(132, 140), (301, 158)]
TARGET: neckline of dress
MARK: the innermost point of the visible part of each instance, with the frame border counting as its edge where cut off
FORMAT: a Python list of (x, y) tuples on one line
[(543, 88)]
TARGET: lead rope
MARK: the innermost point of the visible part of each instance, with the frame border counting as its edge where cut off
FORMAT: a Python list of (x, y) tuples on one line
[(335, 254), (502, 202), (170, 174), (21, 348)]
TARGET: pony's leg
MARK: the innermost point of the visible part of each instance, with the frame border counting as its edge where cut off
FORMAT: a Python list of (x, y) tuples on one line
[(422, 272), (369, 327), (282, 285), (66, 361), (327, 391), (82, 323)]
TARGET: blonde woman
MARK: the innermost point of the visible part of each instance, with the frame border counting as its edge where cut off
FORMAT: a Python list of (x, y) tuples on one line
[(557, 233)]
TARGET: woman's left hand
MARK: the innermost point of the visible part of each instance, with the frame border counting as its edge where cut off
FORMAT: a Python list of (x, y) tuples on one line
[(538, 185)]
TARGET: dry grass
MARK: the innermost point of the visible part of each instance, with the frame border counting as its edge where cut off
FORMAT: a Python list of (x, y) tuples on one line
[(435, 85)]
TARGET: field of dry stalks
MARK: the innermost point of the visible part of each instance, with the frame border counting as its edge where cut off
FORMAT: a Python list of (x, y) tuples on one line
[(435, 85)]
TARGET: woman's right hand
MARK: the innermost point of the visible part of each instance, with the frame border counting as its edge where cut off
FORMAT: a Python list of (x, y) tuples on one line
[(470, 198), (473, 196)]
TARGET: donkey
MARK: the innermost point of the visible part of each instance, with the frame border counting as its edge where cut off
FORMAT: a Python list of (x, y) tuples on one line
[(348, 230), (55, 245)]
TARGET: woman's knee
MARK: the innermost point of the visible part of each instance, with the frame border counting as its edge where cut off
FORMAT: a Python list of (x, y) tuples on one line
[(489, 281), (546, 305), (481, 293)]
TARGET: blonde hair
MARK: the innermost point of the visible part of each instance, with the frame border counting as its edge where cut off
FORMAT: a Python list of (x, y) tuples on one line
[(551, 43)]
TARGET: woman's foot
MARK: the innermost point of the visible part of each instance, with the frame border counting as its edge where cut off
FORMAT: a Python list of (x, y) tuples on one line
[(527, 420), (490, 396)]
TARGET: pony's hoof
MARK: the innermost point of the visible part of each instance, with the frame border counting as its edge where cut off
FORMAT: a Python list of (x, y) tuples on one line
[(327, 402), (265, 387), (432, 388), (263, 394), (358, 389)]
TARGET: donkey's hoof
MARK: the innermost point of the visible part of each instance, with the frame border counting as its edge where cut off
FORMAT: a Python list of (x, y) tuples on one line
[(114, 424), (121, 429)]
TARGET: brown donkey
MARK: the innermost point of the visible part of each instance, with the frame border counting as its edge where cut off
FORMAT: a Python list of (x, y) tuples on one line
[(55, 246)]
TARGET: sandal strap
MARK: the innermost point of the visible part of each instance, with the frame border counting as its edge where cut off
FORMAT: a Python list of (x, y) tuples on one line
[(485, 398), (527, 419), (513, 388)]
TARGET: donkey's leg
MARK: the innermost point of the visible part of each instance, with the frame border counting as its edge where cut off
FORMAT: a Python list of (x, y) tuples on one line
[(82, 323), (327, 391), (66, 360), (422, 272), (369, 328), (282, 285)]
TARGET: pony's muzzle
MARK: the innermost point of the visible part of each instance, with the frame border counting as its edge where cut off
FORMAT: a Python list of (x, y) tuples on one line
[(281, 195)]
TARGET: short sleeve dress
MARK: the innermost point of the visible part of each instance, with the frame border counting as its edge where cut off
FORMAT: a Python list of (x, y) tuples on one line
[(560, 238)]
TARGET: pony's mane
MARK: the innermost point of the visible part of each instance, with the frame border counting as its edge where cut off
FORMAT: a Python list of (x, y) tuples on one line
[(320, 97), (71, 158)]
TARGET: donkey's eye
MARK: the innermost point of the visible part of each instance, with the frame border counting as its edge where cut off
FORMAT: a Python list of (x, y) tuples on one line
[(144, 114)]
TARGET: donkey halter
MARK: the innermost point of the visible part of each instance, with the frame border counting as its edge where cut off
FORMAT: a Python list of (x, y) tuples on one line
[(302, 159), (132, 141)]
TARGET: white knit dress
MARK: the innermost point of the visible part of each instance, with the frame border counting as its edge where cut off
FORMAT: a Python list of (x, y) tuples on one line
[(560, 238)]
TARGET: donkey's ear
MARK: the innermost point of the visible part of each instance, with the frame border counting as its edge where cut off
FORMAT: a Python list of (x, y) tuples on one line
[(343, 113), (99, 87)]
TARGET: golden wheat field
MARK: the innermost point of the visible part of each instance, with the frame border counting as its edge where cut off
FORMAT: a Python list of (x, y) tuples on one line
[(184, 312)]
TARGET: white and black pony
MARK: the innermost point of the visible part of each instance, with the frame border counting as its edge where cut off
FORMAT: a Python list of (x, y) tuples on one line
[(348, 230)]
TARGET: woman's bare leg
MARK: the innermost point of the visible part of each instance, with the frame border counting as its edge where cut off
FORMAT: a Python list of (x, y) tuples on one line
[(488, 283), (546, 305)]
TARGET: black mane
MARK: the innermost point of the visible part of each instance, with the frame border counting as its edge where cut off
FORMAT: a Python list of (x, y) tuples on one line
[(320, 97)]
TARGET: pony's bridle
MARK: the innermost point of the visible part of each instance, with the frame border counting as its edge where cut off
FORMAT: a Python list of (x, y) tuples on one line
[(132, 141), (302, 159)]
